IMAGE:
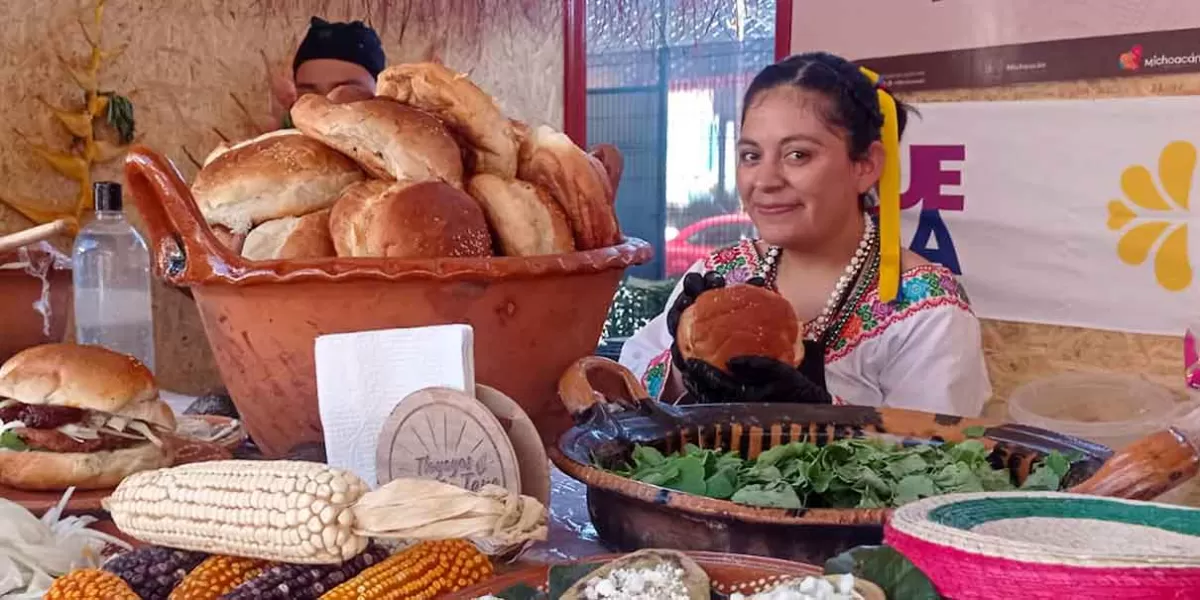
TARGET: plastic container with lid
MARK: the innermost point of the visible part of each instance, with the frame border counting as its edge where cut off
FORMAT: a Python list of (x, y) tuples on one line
[(1110, 409)]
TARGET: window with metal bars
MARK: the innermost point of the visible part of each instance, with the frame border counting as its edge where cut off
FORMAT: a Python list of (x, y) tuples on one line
[(664, 84)]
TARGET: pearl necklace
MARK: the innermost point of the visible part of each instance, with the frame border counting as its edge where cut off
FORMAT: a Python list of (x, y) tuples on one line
[(768, 271)]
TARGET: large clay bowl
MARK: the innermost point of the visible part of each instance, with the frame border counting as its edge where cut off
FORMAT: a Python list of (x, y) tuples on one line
[(21, 325), (531, 317), (631, 515)]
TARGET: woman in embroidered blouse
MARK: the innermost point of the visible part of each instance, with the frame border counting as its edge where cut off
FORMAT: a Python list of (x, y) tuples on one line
[(819, 145)]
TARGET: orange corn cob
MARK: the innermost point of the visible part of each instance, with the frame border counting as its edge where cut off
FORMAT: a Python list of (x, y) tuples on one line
[(217, 576), (421, 572), (90, 584)]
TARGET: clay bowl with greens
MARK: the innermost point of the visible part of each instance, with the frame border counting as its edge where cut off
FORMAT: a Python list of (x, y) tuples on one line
[(807, 482)]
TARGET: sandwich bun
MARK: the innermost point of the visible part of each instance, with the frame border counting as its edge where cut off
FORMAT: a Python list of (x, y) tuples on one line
[(526, 221), (85, 377), (466, 109), (390, 140), (428, 219), (56, 471), (270, 177), (291, 238), (739, 320)]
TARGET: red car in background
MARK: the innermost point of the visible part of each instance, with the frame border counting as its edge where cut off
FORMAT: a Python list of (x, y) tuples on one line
[(698, 240)]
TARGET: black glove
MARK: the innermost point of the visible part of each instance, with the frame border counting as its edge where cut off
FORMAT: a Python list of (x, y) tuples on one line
[(751, 378)]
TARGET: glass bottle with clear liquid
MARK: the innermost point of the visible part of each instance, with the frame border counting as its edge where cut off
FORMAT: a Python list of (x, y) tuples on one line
[(112, 280)]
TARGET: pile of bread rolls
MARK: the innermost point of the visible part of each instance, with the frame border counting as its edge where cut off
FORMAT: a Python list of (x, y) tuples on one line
[(429, 168)]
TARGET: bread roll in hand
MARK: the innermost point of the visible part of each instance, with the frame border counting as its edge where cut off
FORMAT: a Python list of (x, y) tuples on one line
[(738, 344), (739, 320)]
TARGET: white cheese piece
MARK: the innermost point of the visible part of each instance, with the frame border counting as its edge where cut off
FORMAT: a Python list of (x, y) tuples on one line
[(660, 582), (808, 588)]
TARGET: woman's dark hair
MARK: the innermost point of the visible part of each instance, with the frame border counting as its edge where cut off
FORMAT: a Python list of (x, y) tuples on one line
[(853, 102)]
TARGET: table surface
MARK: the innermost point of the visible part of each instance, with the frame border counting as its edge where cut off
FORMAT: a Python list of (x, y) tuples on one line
[(571, 533)]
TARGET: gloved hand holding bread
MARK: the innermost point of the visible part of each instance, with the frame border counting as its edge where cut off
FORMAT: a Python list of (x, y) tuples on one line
[(430, 168)]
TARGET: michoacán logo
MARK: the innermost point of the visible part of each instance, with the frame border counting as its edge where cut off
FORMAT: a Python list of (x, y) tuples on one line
[(1132, 60)]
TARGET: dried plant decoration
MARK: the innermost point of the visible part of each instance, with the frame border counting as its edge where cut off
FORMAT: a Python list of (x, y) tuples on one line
[(90, 145)]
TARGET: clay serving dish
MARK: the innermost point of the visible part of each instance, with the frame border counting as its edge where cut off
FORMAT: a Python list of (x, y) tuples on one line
[(21, 324), (532, 317), (629, 515), (727, 572)]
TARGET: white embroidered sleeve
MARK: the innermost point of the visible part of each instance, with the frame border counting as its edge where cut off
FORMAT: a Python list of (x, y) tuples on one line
[(936, 364), (649, 343)]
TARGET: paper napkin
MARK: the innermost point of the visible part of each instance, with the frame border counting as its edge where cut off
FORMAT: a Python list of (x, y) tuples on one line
[(363, 376)]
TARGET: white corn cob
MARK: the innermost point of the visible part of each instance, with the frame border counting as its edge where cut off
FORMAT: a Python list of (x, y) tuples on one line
[(283, 511)]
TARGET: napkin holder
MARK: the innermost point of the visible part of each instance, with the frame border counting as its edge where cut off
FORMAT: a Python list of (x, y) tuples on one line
[(447, 435)]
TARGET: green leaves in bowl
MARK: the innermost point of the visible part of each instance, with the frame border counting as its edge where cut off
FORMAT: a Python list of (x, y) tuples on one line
[(848, 473)]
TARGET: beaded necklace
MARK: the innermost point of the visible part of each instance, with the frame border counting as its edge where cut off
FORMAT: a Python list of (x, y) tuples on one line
[(861, 270)]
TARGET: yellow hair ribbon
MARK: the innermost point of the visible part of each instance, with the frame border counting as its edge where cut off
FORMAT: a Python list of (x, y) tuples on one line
[(889, 195)]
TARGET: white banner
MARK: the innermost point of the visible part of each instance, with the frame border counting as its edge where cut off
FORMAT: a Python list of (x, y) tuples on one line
[(1061, 212)]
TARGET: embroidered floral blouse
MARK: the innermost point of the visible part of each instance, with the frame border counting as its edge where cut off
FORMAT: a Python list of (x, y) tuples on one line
[(922, 351)]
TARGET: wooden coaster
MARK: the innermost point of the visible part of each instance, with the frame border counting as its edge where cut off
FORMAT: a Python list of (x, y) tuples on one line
[(446, 435), (531, 454)]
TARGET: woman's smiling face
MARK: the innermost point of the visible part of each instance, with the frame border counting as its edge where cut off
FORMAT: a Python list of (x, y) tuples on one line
[(795, 174)]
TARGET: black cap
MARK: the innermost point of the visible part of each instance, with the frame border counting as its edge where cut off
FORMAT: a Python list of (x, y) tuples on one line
[(352, 42), (107, 196)]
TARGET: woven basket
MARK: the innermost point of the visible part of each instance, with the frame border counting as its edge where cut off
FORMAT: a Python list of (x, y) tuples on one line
[(1047, 545)]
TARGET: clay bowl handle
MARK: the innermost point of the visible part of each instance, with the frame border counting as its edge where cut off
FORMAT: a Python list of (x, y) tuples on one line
[(1151, 466), (184, 247), (594, 379)]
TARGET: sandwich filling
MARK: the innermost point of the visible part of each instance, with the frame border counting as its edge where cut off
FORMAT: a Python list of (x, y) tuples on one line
[(27, 427)]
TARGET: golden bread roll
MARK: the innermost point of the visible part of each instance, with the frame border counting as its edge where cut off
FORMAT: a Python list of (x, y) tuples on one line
[(271, 177), (612, 161), (739, 320), (390, 140), (578, 182), (403, 219), (465, 108), (524, 136), (291, 238), (526, 221), (224, 147)]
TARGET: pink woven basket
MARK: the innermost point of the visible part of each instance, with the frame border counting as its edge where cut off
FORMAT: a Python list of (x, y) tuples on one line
[(1044, 545)]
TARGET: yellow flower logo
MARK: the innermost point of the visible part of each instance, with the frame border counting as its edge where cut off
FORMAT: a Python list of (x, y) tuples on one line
[(1159, 218)]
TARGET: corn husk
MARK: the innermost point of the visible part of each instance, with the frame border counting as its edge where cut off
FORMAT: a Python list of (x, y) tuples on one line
[(497, 521)]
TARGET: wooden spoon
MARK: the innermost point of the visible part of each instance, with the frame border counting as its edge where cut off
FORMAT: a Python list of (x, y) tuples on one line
[(1152, 465), (34, 235)]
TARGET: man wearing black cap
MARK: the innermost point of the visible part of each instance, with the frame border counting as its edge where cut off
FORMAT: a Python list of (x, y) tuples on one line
[(337, 60)]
